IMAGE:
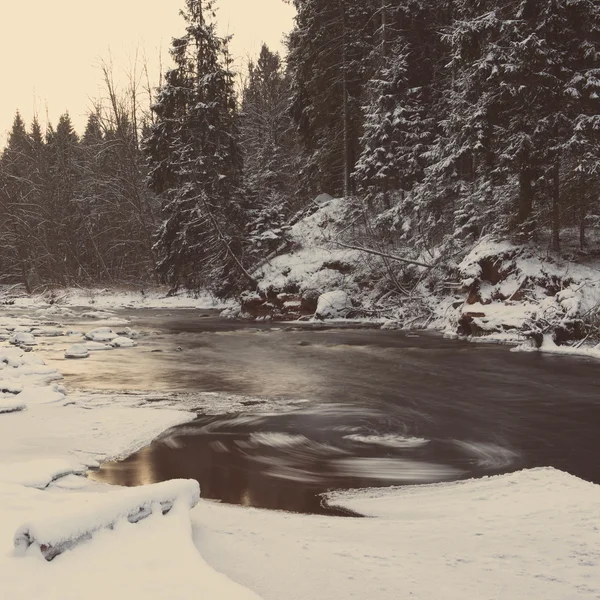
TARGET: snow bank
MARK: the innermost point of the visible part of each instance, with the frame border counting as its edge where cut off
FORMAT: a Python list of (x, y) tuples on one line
[(531, 534), (59, 531), (153, 559)]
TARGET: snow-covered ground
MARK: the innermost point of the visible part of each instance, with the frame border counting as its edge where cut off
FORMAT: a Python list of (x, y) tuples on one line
[(61, 301), (532, 534)]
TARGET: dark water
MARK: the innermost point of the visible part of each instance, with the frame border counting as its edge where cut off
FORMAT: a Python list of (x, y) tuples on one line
[(338, 408)]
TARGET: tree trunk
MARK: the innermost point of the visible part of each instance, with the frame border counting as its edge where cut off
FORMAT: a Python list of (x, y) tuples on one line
[(525, 195), (346, 127), (556, 206)]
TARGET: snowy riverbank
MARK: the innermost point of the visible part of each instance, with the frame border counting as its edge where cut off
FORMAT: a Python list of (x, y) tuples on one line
[(524, 535), (492, 290)]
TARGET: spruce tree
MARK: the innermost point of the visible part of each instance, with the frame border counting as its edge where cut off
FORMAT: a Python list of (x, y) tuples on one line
[(195, 159)]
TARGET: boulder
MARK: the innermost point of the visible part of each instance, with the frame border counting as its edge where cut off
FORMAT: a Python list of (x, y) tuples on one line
[(77, 351), (102, 334), (333, 305), (123, 342), (22, 339)]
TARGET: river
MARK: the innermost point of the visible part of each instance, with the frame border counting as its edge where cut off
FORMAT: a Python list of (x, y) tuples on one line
[(319, 408)]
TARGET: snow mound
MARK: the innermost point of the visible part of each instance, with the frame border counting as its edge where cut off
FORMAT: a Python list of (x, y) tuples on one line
[(11, 386), (101, 334), (77, 351), (10, 405), (129, 333), (123, 342), (55, 533), (22, 338), (333, 305)]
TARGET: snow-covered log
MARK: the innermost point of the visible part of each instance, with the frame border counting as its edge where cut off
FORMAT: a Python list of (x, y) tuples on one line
[(59, 532)]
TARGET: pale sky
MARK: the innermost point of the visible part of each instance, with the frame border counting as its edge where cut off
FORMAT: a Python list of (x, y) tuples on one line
[(50, 49)]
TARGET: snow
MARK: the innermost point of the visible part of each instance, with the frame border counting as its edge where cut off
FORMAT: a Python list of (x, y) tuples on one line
[(101, 334), (102, 301), (38, 473), (77, 351), (9, 405), (122, 342), (531, 534), (57, 530), (48, 511), (153, 559), (549, 346), (333, 305), (22, 339)]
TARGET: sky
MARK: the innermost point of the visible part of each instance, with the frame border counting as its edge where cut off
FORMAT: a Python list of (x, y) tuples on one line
[(50, 51)]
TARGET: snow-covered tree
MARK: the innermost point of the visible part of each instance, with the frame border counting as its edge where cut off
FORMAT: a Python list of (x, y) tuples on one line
[(195, 159)]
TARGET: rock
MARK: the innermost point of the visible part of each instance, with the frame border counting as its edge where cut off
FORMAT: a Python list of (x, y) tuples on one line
[(22, 339), (391, 325), (122, 342), (129, 333), (77, 351), (333, 305), (102, 334)]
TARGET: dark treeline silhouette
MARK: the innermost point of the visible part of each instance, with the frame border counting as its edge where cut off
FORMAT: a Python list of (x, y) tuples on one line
[(438, 120)]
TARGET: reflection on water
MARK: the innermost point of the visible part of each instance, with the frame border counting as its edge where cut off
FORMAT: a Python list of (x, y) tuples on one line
[(286, 460)]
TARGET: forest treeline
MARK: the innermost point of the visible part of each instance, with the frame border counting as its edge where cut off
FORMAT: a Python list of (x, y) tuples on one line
[(438, 120)]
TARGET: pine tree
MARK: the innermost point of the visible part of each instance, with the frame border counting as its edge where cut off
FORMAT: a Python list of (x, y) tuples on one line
[(268, 141), (513, 112), (328, 63), (195, 159)]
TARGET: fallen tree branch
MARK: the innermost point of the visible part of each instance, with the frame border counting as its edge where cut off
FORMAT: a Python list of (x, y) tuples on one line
[(384, 255)]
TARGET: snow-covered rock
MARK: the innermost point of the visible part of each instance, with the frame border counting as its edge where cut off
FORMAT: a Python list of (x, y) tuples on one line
[(60, 531), (77, 351), (123, 342), (333, 305), (101, 334), (128, 333), (22, 338)]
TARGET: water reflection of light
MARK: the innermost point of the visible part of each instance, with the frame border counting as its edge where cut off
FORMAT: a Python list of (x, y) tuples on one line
[(246, 498), (144, 472)]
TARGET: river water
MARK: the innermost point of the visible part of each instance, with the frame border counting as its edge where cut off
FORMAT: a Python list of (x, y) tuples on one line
[(317, 408)]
